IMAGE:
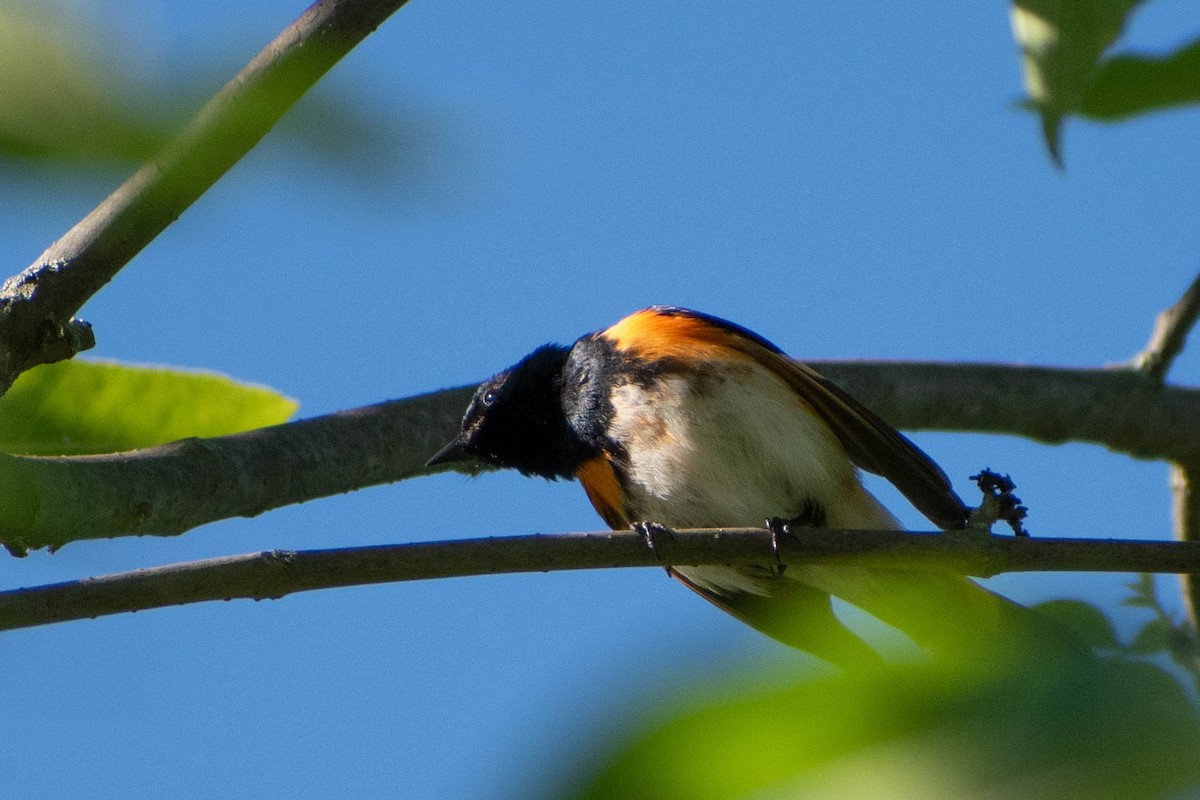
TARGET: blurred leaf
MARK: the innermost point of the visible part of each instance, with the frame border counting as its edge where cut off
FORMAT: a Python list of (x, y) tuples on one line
[(1061, 43), (54, 103), (1093, 627), (1000, 725), (1128, 85), (1141, 592), (57, 103), (1154, 637), (77, 407)]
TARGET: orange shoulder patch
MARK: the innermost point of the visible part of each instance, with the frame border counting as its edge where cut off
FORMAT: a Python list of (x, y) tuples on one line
[(653, 334), (604, 490)]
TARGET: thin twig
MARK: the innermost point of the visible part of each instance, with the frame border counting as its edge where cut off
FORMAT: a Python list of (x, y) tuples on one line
[(169, 489), (37, 306), (277, 573), (1171, 328)]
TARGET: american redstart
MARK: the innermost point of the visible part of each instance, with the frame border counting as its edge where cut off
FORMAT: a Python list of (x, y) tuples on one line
[(679, 418)]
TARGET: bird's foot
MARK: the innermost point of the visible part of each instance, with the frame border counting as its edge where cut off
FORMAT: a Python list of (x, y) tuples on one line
[(811, 516), (652, 533)]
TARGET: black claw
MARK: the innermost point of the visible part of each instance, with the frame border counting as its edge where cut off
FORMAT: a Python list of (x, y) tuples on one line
[(812, 515), (779, 527), (650, 531)]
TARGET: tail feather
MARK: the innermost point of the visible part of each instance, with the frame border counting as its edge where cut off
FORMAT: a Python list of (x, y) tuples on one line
[(795, 614), (949, 615)]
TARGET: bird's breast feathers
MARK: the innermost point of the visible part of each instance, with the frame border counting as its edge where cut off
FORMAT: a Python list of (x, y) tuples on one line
[(730, 446)]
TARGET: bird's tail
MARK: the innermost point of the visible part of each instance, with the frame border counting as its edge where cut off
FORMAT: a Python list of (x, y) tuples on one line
[(949, 615)]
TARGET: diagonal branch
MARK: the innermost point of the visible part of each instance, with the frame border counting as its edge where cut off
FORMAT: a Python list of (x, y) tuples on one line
[(1171, 328), (172, 488), (37, 305), (277, 573)]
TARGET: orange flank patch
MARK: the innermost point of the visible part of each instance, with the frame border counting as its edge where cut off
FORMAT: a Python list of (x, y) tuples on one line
[(651, 334), (604, 490)]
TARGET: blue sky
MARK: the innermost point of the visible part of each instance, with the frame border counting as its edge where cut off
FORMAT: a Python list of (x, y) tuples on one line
[(847, 182)]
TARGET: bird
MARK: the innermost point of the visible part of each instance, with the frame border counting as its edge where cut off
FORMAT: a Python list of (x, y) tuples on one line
[(673, 418)]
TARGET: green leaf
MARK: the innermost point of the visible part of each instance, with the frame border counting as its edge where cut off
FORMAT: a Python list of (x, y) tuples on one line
[(72, 93), (1154, 637), (78, 407), (1061, 43), (1141, 592), (55, 102), (1089, 622), (1127, 85), (1004, 724)]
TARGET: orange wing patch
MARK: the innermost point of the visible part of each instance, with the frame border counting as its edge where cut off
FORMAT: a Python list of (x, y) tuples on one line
[(604, 490), (654, 334)]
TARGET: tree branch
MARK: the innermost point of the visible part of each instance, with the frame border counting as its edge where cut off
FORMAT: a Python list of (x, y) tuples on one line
[(175, 487), (1185, 511), (276, 573), (1122, 410), (172, 488), (1171, 328), (37, 305)]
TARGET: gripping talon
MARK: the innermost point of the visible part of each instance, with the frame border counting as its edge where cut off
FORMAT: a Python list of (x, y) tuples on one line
[(812, 515), (778, 528), (649, 531)]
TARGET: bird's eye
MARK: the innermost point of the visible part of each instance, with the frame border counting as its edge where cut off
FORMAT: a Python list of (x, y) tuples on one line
[(489, 397)]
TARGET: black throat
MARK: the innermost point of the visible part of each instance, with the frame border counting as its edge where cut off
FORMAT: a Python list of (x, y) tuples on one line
[(521, 421)]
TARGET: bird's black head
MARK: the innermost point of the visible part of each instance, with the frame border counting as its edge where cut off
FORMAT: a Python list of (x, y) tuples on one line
[(516, 420)]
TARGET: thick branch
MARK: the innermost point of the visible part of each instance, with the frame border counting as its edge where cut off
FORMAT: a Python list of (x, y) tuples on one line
[(277, 573), (175, 487), (37, 305), (1120, 409)]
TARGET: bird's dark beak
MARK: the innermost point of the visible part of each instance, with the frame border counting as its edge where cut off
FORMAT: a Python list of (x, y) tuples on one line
[(455, 450)]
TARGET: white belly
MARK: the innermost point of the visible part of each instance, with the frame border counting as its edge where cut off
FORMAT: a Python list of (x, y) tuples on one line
[(732, 450)]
